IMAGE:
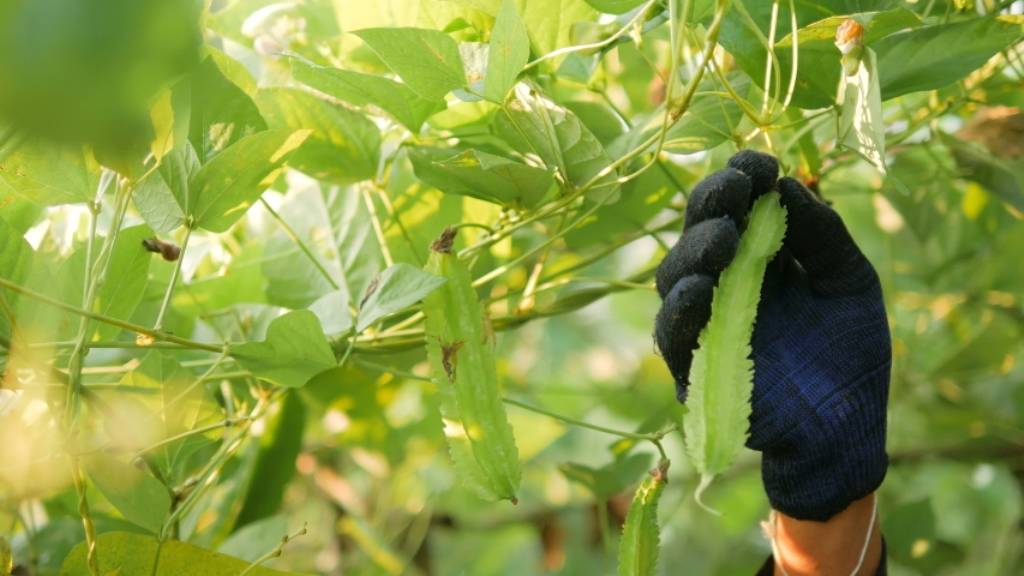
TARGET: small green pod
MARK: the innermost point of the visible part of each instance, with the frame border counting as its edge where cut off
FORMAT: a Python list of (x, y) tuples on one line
[(638, 549), (460, 350), (722, 373)]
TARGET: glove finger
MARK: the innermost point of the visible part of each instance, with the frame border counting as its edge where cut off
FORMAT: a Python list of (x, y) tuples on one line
[(761, 168), (706, 248), (820, 242), (724, 193), (683, 315)]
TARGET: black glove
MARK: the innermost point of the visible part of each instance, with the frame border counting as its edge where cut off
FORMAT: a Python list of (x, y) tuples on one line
[(821, 346)]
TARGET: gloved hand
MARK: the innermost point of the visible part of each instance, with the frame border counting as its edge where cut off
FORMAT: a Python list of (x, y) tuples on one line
[(821, 346)]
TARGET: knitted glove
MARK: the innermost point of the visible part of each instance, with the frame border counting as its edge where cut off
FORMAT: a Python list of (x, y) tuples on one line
[(821, 347)]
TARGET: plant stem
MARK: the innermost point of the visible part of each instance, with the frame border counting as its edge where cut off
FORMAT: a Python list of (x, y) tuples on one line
[(290, 232), (378, 230), (159, 324), (155, 334), (640, 13), (581, 423), (226, 423), (276, 552)]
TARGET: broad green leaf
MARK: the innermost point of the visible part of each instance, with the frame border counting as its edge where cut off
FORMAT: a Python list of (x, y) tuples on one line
[(509, 52), (343, 146), (481, 175), (50, 174), (818, 65), (599, 118), (15, 254), (610, 479), (533, 124), (398, 287), (638, 549), (227, 186), (332, 311), (550, 22), (141, 498), (181, 403), (240, 283), (818, 60), (280, 444), (461, 354), (254, 540), (935, 56), (428, 61), (364, 90), (123, 553), (220, 99), (1003, 177), (722, 375), (642, 198), (292, 280), (294, 351), (861, 126), (615, 6), (709, 121), (162, 197), (125, 282)]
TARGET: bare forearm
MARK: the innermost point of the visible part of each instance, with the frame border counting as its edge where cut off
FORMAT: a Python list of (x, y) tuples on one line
[(832, 547)]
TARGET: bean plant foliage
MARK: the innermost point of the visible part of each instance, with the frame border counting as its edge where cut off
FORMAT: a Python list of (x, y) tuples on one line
[(351, 287)]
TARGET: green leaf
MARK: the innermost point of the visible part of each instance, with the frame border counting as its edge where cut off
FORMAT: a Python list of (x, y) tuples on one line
[(615, 6), (162, 196), (125, 282), (141, 498), (428, 61), (610, 479), (481, 175), (294, 351), (550, 22), (638, 549), (461, 355), (394, 98), (509, 52), (15, 254), (861, 125), (227, 186), (254, 540), (722, 375), (50, 174), (819, 67), (935, 56), (124, 553), (181, 403), (398, 287), (332, 310), (532, 123), (343, 147), (220, 99), (275, 462), (1003, 177)]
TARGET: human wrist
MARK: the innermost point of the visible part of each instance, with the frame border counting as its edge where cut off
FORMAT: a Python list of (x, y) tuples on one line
[(847, 543)]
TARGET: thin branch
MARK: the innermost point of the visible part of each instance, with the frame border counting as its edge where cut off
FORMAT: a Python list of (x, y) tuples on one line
[(290, 232), (155, 334)]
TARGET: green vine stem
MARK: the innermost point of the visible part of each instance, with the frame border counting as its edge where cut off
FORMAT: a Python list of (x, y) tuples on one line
[(276, 552), (165, 303), (155, 334)]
